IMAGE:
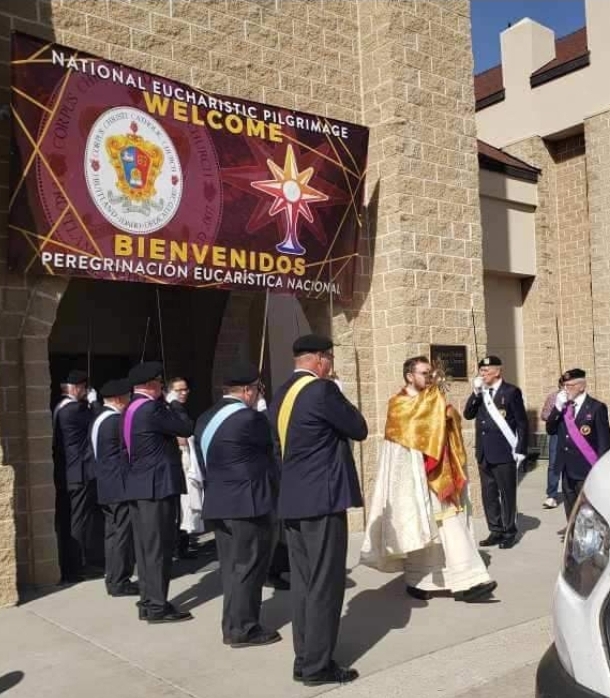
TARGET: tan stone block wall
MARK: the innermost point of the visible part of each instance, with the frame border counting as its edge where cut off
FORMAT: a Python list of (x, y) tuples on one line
[(541, 295), (574, 255), (424, 230), (597, 137), (404, 68)]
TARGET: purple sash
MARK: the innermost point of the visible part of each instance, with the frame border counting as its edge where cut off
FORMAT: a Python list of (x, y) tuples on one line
[(579, 440), (129, 414)]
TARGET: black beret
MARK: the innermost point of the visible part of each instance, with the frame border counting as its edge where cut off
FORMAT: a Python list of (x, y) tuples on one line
[(490, 361), (311, 343), (76, 376), (573, 373), (114, 388), (241, 373), (147, 371)]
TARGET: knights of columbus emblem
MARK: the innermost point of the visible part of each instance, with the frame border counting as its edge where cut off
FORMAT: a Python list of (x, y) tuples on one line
[(137, 163)]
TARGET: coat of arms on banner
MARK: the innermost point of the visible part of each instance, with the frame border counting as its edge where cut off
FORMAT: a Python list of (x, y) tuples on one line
[(133, 171)]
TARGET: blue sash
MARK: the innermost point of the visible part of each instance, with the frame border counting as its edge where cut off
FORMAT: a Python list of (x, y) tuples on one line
[(214, 423)]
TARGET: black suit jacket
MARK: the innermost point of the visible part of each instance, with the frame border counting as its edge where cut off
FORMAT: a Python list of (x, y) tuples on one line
[(239, 469), (155, 466), (111, 464), (318, 473), (592, 414), (490, 444), (72, 466)]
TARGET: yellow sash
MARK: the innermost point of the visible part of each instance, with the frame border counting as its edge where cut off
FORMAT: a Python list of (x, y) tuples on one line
[(283, 418)]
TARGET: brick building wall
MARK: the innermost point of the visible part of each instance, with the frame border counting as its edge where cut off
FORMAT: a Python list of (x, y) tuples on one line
[(573, 257), (403, 68), (597, 138), (560, 315)]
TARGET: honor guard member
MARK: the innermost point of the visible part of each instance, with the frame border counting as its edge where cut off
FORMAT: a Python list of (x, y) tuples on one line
[(110, 464), (501, 446), (234, 443), (75, 504), (581, 425), (154, 483), (314, 423)]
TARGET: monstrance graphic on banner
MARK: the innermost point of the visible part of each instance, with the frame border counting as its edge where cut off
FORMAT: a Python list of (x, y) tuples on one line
[(292, 195), (124, 175)]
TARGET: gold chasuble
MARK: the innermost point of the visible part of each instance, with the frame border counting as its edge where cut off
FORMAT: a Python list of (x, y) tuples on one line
[(425, 423)]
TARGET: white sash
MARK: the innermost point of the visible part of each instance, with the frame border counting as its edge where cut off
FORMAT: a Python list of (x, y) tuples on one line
[(96, 428), (494, 413), (66, 401)]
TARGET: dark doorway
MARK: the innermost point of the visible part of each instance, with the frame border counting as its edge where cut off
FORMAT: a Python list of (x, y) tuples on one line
[(106, 327)]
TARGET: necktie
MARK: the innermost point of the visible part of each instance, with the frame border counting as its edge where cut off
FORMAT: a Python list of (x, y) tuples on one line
[(571, 410), (491, 393)]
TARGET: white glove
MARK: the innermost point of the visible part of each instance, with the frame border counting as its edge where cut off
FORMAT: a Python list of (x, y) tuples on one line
[(170, 397), (519, 458), (477, 385), (261, 405), (561, 400), (92, 396)]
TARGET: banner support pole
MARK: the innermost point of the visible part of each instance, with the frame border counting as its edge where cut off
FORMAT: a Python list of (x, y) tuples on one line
[(264, 333), (161, 330)]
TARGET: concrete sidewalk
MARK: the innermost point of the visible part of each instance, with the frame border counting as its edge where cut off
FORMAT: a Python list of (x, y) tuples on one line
[(79, 642)]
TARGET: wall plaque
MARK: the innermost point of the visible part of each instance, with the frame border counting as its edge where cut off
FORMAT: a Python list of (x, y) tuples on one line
[(454, 358)]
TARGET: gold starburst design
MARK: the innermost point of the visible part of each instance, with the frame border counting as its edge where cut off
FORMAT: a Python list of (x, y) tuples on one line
[(293, 195)]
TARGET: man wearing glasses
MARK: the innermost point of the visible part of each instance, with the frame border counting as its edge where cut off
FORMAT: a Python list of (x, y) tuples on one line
[(419, 519), (234, 447), (314, 423), (581, 425), (153, 485)]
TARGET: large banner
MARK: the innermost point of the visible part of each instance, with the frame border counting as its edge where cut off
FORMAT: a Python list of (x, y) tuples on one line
[(120, 174)]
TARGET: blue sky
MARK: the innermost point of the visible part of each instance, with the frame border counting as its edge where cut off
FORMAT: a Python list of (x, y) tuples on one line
[(490, 17)]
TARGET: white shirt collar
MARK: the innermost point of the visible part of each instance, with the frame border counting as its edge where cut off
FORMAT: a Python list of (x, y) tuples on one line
[(579, 400), (495, 387), (148, 397), (233, 397), (304, 370)]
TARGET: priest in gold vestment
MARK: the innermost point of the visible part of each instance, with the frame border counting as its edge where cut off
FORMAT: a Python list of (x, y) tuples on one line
[(419, 520)]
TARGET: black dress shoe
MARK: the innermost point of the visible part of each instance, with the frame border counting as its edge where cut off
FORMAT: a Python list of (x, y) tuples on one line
[(187, 554), (492, 539), (129, 589), (476, 593), (278, 583), (420, 594), (142, 611), (169, 615), (334, 674), (297, 675), (258, 638), (507, 543)]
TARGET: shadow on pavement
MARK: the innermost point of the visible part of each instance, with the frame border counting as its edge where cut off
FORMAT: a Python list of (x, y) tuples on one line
[(527, 523), (208, 587), (370, 615), (7, 681)]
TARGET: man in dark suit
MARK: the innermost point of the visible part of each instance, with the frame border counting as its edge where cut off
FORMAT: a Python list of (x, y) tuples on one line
[(154, 482), (313, 424), (581, 425), (234, 443), (501, 445), (110, 465), (79, 552)]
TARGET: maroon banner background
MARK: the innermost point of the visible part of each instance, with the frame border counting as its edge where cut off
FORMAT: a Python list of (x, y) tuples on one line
[(120, 174)]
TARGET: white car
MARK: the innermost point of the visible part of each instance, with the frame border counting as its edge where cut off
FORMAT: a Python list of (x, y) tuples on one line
[(578, 663)]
